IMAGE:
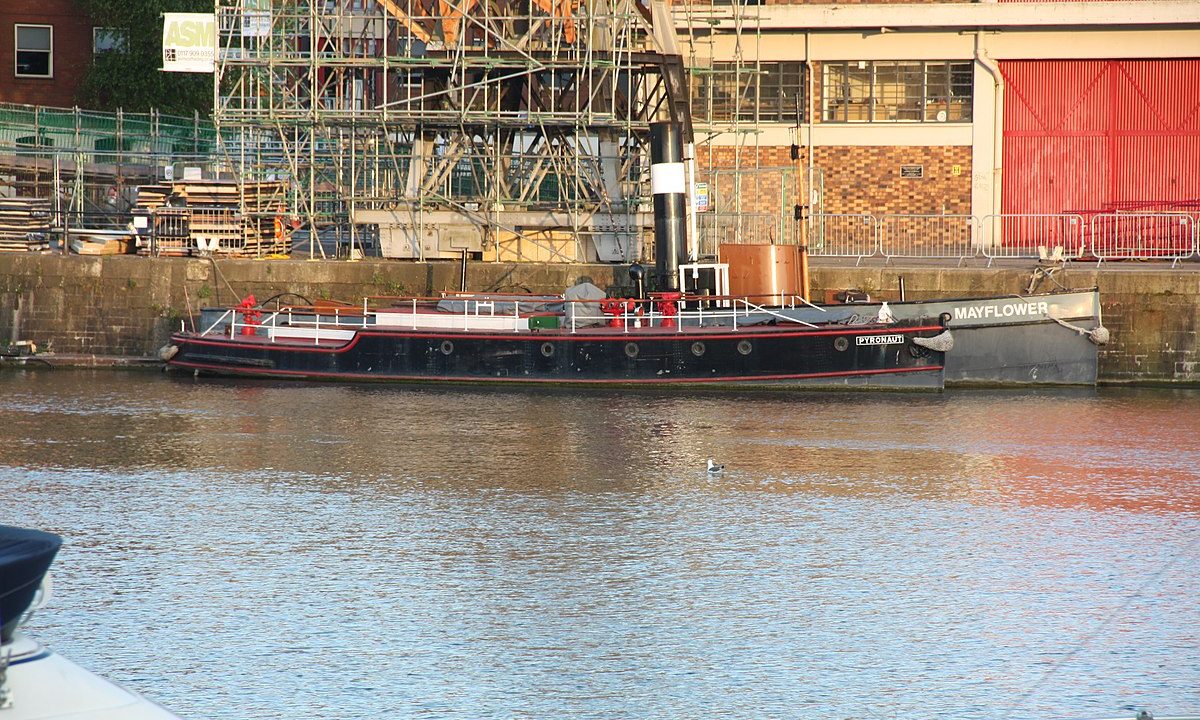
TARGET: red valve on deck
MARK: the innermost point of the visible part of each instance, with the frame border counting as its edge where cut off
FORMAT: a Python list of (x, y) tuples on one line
[(616, 308), (668, 306), (250, 314)]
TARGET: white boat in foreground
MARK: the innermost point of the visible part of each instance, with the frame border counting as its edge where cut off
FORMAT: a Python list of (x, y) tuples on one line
[(35, 682)]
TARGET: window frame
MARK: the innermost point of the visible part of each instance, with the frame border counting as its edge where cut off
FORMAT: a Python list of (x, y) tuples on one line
[(17, 52), (757, 91), (843, 100)]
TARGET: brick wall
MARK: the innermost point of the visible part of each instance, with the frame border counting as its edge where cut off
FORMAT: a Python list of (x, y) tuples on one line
[(859, 179), (72, 54), (868, 180), (751, 180)]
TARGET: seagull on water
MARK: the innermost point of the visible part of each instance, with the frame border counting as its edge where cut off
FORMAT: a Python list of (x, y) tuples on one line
[(715, 469)]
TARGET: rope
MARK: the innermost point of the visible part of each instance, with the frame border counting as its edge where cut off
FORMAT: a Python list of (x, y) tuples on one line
[(1044, 273), (217, 272), (1098, 335), (1087, 638)]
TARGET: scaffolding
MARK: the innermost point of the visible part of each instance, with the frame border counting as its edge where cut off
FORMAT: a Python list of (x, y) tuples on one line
[(507, 129), (750, 193), (90, 163)]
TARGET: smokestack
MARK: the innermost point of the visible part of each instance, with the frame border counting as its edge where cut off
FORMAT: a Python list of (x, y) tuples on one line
[(670, 190)]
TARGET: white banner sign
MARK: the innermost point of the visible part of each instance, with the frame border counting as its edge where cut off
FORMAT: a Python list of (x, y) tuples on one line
[(189, 42)]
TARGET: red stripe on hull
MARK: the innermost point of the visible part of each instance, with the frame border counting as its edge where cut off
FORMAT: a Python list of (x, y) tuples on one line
[(225, 370)]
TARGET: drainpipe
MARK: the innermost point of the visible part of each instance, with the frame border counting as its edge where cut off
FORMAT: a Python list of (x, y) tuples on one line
[(812, 87), (997, 123), (810, 201), (693, 231)]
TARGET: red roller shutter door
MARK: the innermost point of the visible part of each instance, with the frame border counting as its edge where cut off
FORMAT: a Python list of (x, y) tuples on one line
[(1101, 135)]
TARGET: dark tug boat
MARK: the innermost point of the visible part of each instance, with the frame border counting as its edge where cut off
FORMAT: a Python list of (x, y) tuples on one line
[(581, 338), (506, 339)]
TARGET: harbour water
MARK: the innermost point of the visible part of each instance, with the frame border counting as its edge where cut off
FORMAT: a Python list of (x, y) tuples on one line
[(282, 550)]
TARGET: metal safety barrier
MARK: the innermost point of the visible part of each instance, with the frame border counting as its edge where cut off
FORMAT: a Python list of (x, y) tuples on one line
[(844, 235), (1143, 236), (216, 229), (765, 228), (1033, 235), (927, 236)]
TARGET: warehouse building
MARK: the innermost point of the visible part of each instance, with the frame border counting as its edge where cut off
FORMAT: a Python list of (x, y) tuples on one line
[(950, 109)]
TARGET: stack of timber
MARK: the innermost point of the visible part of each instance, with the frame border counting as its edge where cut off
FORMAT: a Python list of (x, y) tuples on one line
[(99, 242), (152, 197), (24, 224), (191, 216)]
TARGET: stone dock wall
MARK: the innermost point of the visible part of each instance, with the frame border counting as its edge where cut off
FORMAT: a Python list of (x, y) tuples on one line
[(97, 308)]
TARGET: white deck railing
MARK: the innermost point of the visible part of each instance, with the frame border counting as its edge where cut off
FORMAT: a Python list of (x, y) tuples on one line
[(481, 314)]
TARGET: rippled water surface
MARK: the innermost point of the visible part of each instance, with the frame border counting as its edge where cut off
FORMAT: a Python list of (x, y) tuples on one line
[(256, 550)]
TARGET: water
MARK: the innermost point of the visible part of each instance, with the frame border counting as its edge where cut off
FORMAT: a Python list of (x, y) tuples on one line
[(258, 550)]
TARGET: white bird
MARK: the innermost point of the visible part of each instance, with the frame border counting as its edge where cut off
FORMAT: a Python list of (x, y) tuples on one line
[(885, 315), (715, 469)]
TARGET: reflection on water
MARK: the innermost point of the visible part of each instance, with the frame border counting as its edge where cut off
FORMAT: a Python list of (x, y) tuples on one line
[(259, 550)]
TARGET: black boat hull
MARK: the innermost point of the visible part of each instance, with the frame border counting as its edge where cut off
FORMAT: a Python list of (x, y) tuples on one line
[(25, 556), (852, 357)]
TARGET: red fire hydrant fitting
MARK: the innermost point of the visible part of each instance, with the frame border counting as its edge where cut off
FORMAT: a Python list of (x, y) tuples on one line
[(250, 315), (668, 306), (616, 308)]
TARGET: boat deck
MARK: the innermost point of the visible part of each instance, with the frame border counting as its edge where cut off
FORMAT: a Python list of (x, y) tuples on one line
[(337, 336), (333, 327)]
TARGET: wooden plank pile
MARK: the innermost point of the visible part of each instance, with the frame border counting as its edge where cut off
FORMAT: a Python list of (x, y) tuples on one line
[(24, 224), (99, 242), (191, 216), (151, 197)]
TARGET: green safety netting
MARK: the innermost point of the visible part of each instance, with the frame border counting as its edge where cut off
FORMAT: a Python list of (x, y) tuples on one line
[(25, 128)]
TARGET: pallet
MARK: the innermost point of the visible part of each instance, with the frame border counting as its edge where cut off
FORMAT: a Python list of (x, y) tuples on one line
[(213, 211)]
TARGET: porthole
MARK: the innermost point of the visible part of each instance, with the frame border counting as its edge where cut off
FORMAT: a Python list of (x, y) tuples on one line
[(631, 350), (547, 349), (447, 347), (698, 349), (744, 347), (840, 344)]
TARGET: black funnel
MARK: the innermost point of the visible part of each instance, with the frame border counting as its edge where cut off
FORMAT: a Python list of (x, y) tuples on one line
[(669, 187)]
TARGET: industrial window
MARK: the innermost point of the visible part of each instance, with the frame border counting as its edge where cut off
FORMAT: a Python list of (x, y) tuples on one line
[(749, 91), (897, 91), (106, 40), (35, 50)]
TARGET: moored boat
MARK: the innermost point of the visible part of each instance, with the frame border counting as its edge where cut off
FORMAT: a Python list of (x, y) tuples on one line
[(1038, 339), (1019, 340), (668, 340)]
